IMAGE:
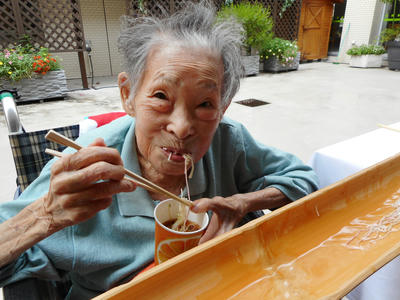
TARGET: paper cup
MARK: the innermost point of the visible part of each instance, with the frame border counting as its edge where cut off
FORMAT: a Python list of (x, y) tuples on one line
[(168, 242)]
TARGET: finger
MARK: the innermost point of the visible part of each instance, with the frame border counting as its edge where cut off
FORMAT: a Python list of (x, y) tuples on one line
[(204, 204), (89, 155), (68, 182), (212, 229), (98, 191), (85, 157)]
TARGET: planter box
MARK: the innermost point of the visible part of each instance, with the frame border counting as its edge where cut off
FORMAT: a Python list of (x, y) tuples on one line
[(39, 87), (393, 49), (274, 65), (251, 64), (366, 61)]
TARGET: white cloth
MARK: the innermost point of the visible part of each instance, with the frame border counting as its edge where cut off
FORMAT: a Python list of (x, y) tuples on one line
[(340, 160), (86, 125), (343, 159)]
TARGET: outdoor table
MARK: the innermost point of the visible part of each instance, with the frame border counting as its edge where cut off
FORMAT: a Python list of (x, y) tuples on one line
[(343, 159)]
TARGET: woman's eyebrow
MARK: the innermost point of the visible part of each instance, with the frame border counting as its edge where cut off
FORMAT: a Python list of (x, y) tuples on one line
[(166, 78), (208, 84)]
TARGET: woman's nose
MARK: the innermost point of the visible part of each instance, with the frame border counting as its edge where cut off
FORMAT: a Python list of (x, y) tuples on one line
[(181, 123)]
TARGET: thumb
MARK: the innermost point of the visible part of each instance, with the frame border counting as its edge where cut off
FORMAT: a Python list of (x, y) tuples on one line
[(201, 205)]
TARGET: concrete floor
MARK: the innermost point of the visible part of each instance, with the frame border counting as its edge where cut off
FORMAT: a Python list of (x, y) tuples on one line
[(318, 105)]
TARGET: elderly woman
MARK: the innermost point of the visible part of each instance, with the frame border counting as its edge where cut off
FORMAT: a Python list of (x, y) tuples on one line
[(82, 218)]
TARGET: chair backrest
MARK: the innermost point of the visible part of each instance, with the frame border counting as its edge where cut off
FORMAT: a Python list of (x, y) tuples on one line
[(28, 152)]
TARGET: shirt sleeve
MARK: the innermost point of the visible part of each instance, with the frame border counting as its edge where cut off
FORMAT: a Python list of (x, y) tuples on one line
[(258, 166), (50, 258)]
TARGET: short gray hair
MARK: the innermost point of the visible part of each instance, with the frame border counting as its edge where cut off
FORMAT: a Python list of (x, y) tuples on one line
[(193, 26)]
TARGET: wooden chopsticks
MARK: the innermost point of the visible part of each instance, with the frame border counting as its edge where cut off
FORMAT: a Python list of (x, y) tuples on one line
[(388, 127), (60, 154), (139, 180)]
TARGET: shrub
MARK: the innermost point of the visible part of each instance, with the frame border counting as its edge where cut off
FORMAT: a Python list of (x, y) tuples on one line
[(390, 34), (21, 61), (285, 51), (256, 20), (43, 62), (366, 50)]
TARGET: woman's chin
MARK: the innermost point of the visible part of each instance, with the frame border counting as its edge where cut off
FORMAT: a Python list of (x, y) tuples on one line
[(173, 170)]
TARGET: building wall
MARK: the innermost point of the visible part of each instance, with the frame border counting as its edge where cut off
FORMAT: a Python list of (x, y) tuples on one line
[(98, 20), (361, 25)]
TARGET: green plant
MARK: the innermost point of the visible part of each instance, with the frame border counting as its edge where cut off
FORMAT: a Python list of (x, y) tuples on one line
[(26, 46), (21, 61), (391, 34), (256, 20), (366, 50), (285, 51), (43, 62), (286, 4), (14, 64)]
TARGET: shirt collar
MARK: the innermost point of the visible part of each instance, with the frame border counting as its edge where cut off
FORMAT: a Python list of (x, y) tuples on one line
[(139, 202)]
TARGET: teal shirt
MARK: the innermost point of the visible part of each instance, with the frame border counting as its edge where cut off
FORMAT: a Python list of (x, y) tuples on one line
[(114, 245)]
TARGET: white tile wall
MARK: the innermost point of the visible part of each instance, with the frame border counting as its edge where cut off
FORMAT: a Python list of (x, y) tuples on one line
[(105, 62), (114, 12), (361, 19)]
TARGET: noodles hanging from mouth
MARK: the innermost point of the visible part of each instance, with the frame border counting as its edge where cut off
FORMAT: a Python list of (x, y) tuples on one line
[(188, 160), (182, 223)]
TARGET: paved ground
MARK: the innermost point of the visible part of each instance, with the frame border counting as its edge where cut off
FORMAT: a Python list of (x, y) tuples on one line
[(318, 105)]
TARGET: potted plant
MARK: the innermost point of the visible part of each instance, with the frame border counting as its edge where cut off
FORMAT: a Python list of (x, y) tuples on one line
[(279, 55), (257, 23), (390, 37), (366, 56), (34, 73)]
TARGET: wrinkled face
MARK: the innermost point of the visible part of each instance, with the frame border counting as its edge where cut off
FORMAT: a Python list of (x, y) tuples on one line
[(177, 106)]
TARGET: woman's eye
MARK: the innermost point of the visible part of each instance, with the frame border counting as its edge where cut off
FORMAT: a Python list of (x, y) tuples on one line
[(160, 95), (206, 104)]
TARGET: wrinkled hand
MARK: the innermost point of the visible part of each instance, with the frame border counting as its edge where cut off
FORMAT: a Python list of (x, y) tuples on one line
[(75, 195), (227, 212)]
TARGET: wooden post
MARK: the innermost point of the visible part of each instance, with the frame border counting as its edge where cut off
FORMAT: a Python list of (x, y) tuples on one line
[(83, 70), (17, 16), (275, 15)]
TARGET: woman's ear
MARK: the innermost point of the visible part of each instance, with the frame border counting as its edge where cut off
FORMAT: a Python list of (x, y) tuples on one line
[(125, 91), (223, 110)]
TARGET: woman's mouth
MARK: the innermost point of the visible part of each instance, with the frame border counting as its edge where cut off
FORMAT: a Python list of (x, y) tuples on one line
[(173, 154)]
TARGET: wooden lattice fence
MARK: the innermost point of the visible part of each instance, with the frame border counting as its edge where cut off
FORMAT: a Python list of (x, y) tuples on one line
[(286, 24), (54, 24)]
